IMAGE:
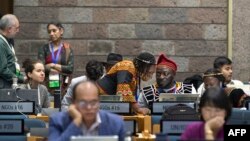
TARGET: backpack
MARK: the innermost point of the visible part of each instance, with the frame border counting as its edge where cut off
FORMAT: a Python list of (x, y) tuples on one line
[(180, 112)]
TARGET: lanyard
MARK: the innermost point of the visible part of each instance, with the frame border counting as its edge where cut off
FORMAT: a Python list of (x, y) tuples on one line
[(10, 46), (55, 59)]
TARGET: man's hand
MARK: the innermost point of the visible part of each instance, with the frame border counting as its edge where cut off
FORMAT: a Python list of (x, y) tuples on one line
[(139, 110), (75, 114), (144, 111)]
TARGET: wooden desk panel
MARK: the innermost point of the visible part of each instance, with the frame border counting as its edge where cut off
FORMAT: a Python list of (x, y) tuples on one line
[(44, 118), (144, 122), (35, 138)]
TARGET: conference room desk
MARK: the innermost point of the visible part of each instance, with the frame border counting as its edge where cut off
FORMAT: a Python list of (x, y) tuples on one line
[(156, 128), (41, 117), (143, 139), (35, 138), (143, 122)]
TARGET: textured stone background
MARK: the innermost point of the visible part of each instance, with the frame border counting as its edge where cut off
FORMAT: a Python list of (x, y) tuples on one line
[(241, 41), (192, 32)]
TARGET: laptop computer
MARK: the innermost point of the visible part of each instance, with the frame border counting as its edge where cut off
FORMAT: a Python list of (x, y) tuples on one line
[(20, 95), (94, 138), (178, 97)]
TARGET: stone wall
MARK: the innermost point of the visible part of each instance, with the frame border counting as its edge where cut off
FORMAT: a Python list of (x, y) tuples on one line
[(241, 41), (192, 32)]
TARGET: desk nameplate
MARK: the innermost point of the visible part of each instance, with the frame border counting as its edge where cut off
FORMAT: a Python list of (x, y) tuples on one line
[(11, 126), (14, 107), (116, 107), (174, 127)]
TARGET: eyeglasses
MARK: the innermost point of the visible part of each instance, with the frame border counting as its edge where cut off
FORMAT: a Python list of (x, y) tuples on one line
[(88, 104)]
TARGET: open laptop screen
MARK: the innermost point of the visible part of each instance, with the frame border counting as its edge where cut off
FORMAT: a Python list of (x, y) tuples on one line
[(94, 138), (178, 97), (110, 98)]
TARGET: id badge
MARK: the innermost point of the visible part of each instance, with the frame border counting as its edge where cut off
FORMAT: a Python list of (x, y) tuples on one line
[(54, 80), (17, 69)]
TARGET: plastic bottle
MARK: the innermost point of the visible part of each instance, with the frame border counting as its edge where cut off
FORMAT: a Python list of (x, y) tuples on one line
[(14, 82)]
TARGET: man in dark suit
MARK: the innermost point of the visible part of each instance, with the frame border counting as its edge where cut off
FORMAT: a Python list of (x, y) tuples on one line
[(84, 117)]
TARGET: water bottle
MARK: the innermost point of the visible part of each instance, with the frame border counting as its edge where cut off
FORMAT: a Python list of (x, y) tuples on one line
[(14, 82)]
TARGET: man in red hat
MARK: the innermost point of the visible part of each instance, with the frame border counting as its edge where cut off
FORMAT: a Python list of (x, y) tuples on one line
[(165, 82)]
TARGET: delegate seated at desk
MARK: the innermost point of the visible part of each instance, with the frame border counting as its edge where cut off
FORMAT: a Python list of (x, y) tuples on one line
[(84, 117), (34, 70), (165, 83)]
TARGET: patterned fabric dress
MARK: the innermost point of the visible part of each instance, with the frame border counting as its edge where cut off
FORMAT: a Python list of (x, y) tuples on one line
[(120, 80)]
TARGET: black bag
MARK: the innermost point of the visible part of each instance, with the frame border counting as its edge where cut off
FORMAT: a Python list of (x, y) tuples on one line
[(180, 112)]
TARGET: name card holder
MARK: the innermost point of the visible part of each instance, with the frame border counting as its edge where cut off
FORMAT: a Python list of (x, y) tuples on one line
[(117, 107), (159, 107), (174, 127), (14, 107), (11, 126), (130, 126)]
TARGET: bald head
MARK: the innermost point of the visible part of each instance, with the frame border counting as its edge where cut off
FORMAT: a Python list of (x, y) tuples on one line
[(85, 88)]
